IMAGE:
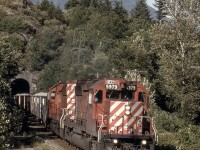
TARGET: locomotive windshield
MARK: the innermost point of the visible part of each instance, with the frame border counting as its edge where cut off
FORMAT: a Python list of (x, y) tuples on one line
[(124, 94), (113, 94), (127, 94)]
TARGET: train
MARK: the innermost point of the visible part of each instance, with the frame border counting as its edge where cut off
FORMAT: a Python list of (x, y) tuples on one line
[(98, 114)]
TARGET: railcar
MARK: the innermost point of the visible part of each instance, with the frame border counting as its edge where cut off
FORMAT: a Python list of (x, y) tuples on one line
[(22, 100), (35, 104), (102, 114), (39, 105)]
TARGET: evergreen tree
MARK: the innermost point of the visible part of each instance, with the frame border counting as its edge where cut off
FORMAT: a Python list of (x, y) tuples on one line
[(120, 10), (161, 12), (141, 11), (140, 18), (104, 6), (53, 12), (71, 4)]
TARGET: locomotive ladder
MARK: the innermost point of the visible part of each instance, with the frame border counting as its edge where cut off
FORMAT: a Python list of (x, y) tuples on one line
[(101, 126), (62, 118), (155, 131)]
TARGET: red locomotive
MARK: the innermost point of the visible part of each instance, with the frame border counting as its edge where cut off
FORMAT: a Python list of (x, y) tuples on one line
[(102, 114)]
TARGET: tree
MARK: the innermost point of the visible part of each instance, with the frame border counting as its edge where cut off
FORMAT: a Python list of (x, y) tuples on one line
[(71, 4), (44, 47), (176, 45), (53, 12), (141, 11), (140, 18), (161, 12), (9, 56), (13, 24), (130, 55)]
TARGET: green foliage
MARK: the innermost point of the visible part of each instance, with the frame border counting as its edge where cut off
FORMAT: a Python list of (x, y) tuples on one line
[(49, 76), (44, 47), (2, 14), (141, 11), (175, 133), (161, 12), (175, 46), (71, 4), (78, 17), (52, 11), (75, 63), (132, 54), (12, 24), (8, 58), (140, 19), (9, 55)]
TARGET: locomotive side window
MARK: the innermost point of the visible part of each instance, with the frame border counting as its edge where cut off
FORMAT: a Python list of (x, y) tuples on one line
[(141, 96), (98, 96), (53, 95), (112, 94)]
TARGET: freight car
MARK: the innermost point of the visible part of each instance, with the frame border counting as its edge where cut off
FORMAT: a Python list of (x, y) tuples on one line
[(39, 106), (35, 104), (102, 114)]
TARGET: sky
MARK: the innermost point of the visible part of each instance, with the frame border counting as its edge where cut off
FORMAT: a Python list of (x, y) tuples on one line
[(127, 3), (150, 3)]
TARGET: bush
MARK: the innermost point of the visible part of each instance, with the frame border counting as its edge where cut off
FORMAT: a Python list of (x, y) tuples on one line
[(12, 24), (174, 133)]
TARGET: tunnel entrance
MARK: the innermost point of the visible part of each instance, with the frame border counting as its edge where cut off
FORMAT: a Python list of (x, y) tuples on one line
[(20, 86)]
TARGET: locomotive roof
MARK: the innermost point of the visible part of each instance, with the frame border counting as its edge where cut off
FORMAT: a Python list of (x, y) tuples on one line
[(40, 94)]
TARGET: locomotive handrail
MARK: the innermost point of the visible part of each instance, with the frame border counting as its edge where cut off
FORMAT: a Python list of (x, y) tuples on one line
[(153, 126), (61, 118), (68, 112), (65, 109), (101, 126), (155, 131)]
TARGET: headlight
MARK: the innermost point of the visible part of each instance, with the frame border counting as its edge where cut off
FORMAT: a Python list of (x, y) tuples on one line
[(128, 112), (144, 142), (128, 107), (115, 141)]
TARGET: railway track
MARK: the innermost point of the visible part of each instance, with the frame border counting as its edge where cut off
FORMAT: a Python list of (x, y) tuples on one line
[(37, 137)]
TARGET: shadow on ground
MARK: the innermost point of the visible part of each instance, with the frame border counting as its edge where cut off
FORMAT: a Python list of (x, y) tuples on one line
[(35, 133)]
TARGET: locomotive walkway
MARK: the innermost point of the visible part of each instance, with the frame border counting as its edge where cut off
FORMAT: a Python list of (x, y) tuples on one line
[(38, 138)]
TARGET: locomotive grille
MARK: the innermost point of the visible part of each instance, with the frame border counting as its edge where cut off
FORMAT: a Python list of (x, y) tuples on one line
[(121, 122)]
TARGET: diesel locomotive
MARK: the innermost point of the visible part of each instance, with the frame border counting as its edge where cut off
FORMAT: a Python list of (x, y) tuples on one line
[(100, 114)]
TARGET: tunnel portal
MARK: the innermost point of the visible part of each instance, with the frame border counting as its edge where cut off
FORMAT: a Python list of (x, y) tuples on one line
[(20, 86)]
